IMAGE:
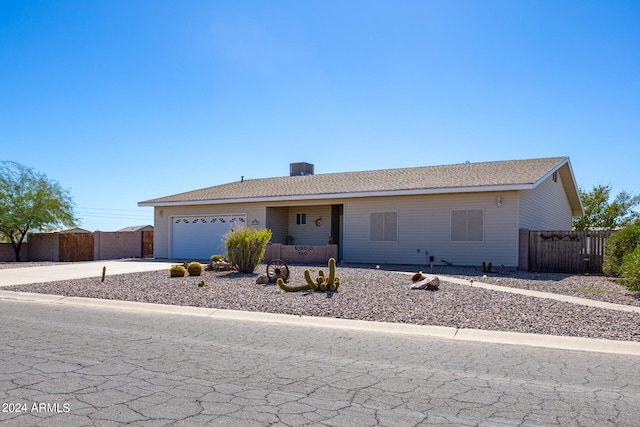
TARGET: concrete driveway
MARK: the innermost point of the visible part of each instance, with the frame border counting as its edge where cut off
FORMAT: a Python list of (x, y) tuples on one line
[(52, 273)]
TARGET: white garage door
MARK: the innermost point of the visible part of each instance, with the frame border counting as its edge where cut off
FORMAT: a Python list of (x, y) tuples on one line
[(199, 237)]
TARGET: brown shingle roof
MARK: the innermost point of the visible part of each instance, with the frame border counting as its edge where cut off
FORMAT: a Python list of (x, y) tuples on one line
[(446, 178)]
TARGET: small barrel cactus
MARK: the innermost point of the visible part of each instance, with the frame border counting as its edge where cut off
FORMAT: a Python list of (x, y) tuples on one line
[(177, 271), (194, 268)]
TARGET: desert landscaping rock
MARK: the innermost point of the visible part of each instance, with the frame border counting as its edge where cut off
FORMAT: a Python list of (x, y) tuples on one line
[(368, 293)]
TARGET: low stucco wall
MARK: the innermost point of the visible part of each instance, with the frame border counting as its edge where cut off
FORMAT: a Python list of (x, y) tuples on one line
[(301, 254)]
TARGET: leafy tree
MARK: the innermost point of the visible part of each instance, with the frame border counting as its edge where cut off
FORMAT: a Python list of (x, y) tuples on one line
[(600, 212), (30, 201)]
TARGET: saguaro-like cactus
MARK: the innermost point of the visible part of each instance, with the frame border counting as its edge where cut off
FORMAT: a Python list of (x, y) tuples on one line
[(322, 282), (485, 268)]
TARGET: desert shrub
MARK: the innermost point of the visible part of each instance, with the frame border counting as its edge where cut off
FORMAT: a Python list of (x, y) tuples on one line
[(618, 245), (177, 271), (194, 268), (215, 258), (630, 270), (246, 247)]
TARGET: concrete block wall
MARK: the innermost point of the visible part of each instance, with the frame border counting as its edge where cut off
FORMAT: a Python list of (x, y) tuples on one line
[(116, 245), (8, 255), (44, 247), (106, 245)]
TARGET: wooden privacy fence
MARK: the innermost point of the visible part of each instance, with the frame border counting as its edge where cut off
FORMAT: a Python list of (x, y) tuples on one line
[(76, 247), (573, 252)]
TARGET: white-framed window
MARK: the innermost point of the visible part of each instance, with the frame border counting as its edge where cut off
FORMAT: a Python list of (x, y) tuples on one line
[(383, 226), (467, 225), (301, 218)]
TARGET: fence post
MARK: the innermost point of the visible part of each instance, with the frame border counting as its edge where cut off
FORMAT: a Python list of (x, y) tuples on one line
[(523, 249), (96, 245)]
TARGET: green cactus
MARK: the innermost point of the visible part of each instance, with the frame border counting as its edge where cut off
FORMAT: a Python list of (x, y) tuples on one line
[(321, 283), (177, 271), (194, 268), (289, 288), (485, 268)]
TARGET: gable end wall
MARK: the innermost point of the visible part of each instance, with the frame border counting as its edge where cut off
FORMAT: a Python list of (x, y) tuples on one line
[(545, 207)]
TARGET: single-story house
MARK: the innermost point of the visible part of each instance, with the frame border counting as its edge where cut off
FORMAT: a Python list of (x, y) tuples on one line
[(462, 214)]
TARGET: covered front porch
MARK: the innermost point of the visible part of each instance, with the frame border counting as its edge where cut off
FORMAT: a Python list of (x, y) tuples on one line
[(305, 233)]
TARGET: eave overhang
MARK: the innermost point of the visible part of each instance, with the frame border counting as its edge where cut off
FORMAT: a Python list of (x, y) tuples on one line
[(324, 196)]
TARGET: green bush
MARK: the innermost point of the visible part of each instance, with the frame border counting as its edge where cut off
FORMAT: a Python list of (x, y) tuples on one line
[(246, 247), (215, 258), (618, 245), (630, 270), (194, 268), (177, 271)]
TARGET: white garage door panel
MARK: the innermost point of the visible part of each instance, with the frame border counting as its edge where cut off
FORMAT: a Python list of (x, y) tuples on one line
[(202, 236)]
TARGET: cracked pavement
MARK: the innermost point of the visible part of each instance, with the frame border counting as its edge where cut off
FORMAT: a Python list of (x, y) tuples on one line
[(80, 366)]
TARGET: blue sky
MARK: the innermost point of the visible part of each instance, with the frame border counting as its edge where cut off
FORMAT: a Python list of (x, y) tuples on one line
[(125, 101)]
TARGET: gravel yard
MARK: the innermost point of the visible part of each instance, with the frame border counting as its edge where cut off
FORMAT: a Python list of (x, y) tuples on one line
[(367, 293)]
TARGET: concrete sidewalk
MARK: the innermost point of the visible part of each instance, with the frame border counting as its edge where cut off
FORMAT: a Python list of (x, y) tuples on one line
[(52, 273)]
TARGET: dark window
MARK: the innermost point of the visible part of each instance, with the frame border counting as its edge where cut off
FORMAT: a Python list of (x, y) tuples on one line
[(383, 226), (467, 225)]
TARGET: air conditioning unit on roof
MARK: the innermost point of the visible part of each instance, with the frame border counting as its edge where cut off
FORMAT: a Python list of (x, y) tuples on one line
[(301, 168)]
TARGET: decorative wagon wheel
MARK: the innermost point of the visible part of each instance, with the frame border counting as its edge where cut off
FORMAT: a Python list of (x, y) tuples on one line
[(277, 268)]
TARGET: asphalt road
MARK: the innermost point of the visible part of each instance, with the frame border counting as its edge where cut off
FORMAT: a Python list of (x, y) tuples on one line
[(76, 366)]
